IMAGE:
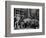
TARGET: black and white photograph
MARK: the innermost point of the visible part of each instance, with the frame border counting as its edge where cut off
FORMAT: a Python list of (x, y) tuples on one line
[(26, 18)]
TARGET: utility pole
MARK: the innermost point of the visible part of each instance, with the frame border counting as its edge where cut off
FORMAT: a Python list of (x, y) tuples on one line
[(28, 13)]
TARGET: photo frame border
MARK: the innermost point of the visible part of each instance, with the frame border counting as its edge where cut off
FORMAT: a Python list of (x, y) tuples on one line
[(8, 20)]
